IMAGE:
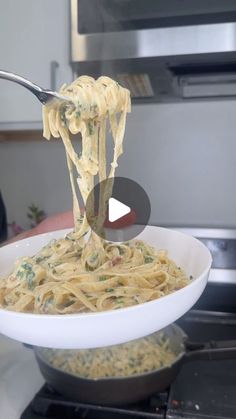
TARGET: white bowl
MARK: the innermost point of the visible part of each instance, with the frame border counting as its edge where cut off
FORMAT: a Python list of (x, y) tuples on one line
[(90, 330)]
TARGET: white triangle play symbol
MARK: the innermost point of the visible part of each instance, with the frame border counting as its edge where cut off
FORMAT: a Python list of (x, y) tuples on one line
[(116, 209)]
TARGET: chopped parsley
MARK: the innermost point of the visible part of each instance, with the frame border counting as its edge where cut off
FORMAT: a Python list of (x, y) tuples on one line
[(109, 289), (120, 301), (90, 127), (102, 278), (39, 259), (28, 273), (27, 266), (148, 259), (30, 278), (48, 301), (93, 258), (80, 219), (20, 274), (63, 115)]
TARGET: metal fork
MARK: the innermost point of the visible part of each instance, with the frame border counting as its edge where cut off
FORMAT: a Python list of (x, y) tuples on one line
[(43, 95)]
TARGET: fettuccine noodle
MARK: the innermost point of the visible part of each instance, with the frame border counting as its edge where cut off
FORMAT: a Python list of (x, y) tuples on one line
[(137, 357), (76, 274)]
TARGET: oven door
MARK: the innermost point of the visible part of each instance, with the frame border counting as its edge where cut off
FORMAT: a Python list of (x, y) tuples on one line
[(220, 292)]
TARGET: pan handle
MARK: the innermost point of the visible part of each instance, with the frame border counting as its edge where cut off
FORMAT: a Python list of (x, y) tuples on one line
[(213, 350)]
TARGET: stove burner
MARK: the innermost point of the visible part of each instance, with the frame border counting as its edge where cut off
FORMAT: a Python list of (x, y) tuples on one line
[(204, 390), (49, 404)]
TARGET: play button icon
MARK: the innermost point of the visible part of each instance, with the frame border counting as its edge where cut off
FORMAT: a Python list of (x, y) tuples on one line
[(118, 209)]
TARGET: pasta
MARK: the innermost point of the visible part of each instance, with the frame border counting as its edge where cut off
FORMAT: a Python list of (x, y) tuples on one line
[(136, 357), (80, 273)]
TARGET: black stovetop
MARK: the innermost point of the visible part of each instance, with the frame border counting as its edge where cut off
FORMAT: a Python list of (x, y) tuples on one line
[(202, 390)]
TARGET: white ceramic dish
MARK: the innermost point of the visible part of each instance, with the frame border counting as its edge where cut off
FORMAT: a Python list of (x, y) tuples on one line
[(111, 327)]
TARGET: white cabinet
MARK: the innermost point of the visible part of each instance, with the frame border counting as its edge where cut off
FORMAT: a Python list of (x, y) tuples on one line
[(34, 35)]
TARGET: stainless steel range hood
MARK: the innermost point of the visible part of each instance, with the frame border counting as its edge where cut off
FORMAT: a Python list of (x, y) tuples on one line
[(180, 62)]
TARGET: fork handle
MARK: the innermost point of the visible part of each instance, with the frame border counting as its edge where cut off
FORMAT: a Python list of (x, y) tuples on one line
[(36, 90)]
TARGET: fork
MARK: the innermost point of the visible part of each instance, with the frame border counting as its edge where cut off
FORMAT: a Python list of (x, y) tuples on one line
[(43, 95)]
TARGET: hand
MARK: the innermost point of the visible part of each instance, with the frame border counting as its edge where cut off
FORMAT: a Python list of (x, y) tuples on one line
[(54, 222), (65, 220)]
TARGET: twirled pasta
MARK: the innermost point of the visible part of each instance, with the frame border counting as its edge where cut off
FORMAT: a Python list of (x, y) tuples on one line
[(74, 274)]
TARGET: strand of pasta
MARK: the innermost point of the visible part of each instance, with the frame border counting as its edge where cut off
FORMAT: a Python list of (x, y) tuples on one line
[(73, 274)]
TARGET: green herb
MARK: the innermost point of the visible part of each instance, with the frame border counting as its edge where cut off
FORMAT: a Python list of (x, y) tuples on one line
[(48, 301), (120, 301), (54, 271), (30, 278), (109, 289), (93, 258), (20, 274), (78, 114), (148, 259), (27, 266), (121, 250), (90, 127), (102, 278), (39, 259), (29, 275), (63, 115)]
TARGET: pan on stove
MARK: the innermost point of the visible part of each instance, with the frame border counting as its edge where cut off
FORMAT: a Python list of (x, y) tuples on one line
[(125, 390)]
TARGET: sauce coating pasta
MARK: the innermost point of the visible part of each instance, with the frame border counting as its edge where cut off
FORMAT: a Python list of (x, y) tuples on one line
[(75, 274), (137, 357)]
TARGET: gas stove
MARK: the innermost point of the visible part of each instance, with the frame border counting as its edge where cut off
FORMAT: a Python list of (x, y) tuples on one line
[(202, 390)]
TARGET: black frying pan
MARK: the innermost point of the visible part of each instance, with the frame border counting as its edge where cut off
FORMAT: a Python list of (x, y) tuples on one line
[(125, 390)]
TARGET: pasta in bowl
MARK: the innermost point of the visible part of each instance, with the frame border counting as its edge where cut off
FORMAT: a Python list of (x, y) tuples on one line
[(60, 280), (112, 326)]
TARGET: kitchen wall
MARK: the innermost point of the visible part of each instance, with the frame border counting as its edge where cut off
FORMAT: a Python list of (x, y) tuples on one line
[(184, 155)]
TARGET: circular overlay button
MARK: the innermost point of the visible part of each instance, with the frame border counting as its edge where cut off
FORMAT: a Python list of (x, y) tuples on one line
[(118, 209)]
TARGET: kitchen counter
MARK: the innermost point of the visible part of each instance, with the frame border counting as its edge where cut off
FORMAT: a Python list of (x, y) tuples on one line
[(20, 378)]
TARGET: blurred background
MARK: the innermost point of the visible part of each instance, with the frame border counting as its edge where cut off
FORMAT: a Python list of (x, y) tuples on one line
[(180, 141)]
